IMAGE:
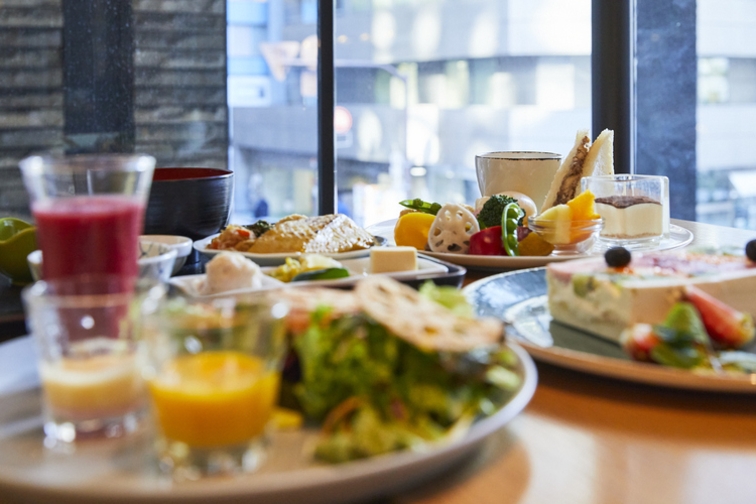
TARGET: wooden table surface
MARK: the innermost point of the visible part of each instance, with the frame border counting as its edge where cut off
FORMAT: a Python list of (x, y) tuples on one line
[(591, 440)]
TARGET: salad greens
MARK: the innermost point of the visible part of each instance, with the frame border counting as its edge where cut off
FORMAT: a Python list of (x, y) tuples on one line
[(376, 393)]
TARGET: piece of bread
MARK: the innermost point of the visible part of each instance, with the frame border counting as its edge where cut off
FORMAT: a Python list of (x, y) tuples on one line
[(584, 160)]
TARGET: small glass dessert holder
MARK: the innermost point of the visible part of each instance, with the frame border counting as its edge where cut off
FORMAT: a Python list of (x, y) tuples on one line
[(635, 208), (572, 237), (213, 372), (86, 330)]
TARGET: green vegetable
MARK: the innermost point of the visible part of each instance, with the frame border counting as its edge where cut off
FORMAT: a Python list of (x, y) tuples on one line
[(491, 213), (449, 297), (376, 393), (321, 274), (421, 206), (259, 228), (684, 342), (509, 218)]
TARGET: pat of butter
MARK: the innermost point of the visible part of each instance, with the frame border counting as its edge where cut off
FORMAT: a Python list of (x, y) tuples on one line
[(390, 259)]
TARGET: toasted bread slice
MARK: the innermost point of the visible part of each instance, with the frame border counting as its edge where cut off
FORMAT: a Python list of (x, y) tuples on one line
[(567, 177), (600, 159), (584, 160)]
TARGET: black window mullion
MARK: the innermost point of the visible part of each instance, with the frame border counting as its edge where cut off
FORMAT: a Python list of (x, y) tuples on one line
[(326, 104), (612, 79)]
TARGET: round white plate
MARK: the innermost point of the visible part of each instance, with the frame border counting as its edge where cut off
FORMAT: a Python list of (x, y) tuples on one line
[(124, 471), (678, 237), (519, 298), (274, 259)]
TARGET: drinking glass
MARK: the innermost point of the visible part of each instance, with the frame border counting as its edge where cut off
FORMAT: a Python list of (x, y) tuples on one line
[(89, 211), (635, 208), (213, 370), (86, 331)]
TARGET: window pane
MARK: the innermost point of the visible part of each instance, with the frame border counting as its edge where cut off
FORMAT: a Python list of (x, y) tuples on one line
[(424, 86), (272, 99), (726, 112)]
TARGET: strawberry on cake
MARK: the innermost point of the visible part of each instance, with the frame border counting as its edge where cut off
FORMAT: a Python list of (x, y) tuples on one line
[(605, 299)]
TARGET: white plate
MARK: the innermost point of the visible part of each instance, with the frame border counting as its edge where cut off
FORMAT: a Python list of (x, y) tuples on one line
[(191, 285), (678, 237), (123, 471), (519, 298), (278, 258)]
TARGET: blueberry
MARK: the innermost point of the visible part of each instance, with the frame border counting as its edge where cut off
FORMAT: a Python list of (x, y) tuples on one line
[(618, 257), (751, 250)]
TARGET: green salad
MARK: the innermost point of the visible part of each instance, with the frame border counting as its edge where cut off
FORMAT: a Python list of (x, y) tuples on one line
[(375, 391)]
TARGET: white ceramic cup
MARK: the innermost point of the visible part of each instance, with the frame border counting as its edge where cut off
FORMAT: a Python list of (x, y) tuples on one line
[(527, 172)]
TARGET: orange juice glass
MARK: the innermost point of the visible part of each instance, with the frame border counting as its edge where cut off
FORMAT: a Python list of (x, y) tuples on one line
[(213, 371)]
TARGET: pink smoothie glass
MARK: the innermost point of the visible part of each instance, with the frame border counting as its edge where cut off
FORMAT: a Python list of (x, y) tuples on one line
[(89, 211)]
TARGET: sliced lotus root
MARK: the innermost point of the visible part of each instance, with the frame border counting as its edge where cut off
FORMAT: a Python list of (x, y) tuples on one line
[(421, 321), (451, 229)]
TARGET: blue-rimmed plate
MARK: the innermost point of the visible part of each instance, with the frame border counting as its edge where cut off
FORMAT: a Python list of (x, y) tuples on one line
[(519, 299)]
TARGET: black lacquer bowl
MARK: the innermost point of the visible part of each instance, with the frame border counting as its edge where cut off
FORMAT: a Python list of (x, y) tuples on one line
[(191, 202)]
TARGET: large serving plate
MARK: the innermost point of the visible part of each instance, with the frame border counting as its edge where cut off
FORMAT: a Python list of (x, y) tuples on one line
[(124, 471), (519, 298), (275, 259), (678, 237), (428, 268)]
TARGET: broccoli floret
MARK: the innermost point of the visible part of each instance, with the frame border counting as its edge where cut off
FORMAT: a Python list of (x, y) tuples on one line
[(490, 214), (259, 228)]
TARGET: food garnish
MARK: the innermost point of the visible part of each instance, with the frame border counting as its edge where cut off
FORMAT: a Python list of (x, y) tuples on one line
[(726, 326), (294, 267), (492, 210), (487, 242), (260, 227), (617, 257), (321, 274), (412, 229), (509, 218), (233, 237), (421, 206), (451, 229)]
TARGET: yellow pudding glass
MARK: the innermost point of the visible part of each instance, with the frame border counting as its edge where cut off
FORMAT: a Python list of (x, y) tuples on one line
[(213, 373)]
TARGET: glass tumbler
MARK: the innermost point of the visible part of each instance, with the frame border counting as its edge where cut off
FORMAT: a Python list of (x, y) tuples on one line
[(213, 371), (86, 331)]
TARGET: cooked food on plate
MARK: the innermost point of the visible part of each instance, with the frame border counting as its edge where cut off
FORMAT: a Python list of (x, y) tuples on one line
[(230, 271), (387, 368), (309, 267), (687, 309), (324, 234)]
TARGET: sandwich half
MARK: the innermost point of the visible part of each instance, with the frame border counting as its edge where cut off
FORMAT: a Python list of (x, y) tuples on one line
[(584, 160)]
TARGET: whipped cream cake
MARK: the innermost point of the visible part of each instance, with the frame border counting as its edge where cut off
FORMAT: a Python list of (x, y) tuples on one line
[(602, 300)]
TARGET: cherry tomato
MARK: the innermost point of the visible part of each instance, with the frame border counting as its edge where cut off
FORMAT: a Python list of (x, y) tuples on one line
[(487, 242)]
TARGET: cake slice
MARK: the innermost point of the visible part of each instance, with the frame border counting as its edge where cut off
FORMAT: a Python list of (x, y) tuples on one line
[(596, 298)]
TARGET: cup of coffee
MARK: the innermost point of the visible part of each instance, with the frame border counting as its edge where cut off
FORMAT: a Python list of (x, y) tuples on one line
[(528, 172)]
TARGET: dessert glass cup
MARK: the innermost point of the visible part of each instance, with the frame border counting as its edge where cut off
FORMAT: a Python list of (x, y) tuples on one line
[(568, 237), (89, 211), (528, 172), (213, 371), (86, 331), (635, 208)]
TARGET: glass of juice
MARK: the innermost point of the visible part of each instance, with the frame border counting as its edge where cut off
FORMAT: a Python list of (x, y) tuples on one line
[(89, 211), (86, 331), (213, 371)]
